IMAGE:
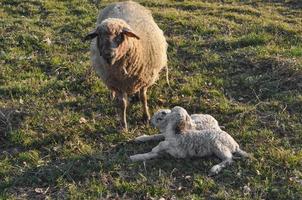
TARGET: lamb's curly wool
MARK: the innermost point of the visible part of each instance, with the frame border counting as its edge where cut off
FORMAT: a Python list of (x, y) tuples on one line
[(199, 122), (182, 140), (128, 51)]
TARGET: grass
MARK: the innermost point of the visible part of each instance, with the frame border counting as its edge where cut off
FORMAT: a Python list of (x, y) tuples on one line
[(239, 61)]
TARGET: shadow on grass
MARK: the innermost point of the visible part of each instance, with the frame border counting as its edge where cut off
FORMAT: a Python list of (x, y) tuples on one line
[(263, 79), (108, 166), (10, 121)]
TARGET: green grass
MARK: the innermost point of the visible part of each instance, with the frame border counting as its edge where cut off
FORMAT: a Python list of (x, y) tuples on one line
[(240, 61)]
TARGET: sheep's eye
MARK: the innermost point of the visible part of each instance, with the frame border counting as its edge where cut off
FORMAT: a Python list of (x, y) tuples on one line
[(163, 113), (119, 39)]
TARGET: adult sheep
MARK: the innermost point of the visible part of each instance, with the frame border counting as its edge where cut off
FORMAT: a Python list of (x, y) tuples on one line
[(128, 50)]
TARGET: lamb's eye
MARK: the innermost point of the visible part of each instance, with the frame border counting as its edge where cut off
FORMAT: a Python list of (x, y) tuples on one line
[(159, 119), (163, 113)]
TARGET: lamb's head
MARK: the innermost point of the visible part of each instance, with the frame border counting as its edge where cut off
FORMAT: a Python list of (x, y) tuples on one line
[(178, 121), (112, 36), (158, 119)]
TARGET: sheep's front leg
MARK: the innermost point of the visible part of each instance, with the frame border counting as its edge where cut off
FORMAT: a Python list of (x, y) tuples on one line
[(122, 104), (145, 138), (161, 147), (143, 98)]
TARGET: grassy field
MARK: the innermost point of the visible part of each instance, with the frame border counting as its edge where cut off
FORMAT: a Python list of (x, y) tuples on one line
[(240, 61)]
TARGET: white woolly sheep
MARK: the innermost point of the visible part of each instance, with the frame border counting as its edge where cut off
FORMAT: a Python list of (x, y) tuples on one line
[(200, 122), (128, 50), (182, 140)]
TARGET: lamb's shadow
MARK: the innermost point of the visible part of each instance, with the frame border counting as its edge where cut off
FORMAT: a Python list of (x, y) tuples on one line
[(110, 164)]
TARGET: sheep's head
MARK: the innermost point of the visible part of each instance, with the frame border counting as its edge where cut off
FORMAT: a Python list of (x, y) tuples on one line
[(179, 120), (158, 119), (111, 36)]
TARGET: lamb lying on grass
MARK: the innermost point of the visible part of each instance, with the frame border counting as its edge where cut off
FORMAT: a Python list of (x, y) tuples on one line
[(183, 140), (199, 122)]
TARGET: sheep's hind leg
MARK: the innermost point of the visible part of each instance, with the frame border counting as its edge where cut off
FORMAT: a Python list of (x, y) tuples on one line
[(122, 104), (161, 147), (225, 155), (143, 98), (112, 95)]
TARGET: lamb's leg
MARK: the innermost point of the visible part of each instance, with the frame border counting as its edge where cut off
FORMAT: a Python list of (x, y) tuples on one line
[(122, 102), (225, 155), (143, 98), (243, 153), (217, 168), (161, 147), (145, 138)]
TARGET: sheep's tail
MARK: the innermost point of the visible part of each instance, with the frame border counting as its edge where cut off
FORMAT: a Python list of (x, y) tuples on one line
[(167, 75)]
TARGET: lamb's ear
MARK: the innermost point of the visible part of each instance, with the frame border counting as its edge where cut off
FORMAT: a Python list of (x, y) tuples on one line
[(182, 126), (130, 33), (91, 35)]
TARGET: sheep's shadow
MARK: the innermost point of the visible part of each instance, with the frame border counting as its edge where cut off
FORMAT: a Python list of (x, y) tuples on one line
[(10, 120)]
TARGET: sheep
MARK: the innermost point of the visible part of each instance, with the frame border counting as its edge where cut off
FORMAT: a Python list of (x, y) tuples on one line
[(200, 122), (128, 50), (182, 140)]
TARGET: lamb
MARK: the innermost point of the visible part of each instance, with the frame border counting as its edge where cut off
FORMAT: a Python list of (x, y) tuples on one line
[(128, 50), (182, 140), (200, 122)]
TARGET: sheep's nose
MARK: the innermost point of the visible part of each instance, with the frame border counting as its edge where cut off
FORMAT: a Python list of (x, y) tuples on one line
[(109, 55)]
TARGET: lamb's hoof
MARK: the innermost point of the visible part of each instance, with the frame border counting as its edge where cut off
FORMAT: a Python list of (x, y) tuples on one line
[(134, 158), (141, 138), (211, 173), (214, 170)]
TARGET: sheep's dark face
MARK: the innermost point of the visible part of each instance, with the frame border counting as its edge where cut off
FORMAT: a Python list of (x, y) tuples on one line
[(111, 37), (158, 119)]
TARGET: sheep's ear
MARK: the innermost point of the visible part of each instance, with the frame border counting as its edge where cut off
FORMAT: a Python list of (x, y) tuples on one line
[(91, 35), (182, 126), (130, 33)]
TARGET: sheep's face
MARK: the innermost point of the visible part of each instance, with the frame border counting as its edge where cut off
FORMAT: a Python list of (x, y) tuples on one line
[(158, 119), (111, 37), (179, 120)]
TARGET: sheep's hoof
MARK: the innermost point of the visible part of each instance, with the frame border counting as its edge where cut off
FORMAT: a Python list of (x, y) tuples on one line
[(146, 119), (125, 129), (122, 128)]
